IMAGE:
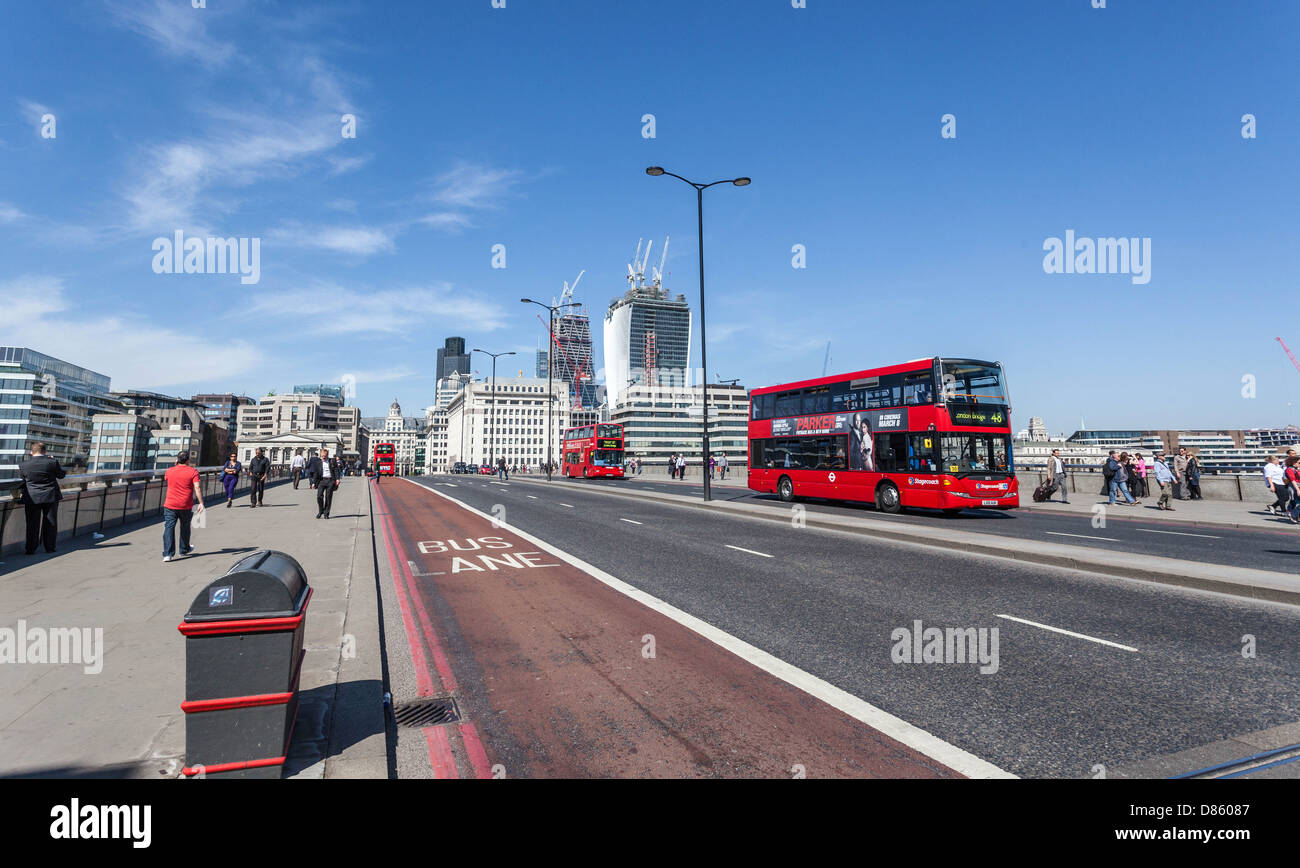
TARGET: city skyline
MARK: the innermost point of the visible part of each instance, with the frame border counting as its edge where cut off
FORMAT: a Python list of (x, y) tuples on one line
[(374, 247)]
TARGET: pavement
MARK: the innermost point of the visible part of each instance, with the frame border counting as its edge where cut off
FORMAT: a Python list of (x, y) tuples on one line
[(1096, 673), (125, 721)]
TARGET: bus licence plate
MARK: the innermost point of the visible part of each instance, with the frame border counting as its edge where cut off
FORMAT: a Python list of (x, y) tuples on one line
[(988, 503)]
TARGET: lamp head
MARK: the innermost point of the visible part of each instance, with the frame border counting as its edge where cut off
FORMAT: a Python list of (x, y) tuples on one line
[(654, 170), (526, 300), (741, 182)]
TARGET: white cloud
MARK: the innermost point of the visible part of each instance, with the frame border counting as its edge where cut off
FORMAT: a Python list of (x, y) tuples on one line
[(383, 375), (342, 165), (355, 240), (134, 353), (34, 111), (470, 185), (9, 213), (448, 220), (176, 27), (391, 311)]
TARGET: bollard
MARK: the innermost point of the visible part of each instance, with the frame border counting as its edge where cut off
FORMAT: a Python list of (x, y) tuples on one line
[(243, 658)]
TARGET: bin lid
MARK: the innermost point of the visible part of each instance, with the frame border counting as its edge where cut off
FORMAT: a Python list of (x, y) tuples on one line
[(265, 584)]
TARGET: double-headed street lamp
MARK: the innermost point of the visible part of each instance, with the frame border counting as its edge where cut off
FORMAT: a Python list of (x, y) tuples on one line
[(704, 360), (550, 366), (492, 438)]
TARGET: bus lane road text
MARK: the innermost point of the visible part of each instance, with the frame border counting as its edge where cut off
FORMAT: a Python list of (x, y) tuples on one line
[(472, 555)]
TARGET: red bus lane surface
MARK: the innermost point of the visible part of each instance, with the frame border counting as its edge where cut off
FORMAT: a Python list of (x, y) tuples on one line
[(560, 675)]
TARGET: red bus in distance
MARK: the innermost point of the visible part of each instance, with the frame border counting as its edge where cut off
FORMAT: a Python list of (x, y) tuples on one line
[(385, 459), (933, 433), (592, 450)]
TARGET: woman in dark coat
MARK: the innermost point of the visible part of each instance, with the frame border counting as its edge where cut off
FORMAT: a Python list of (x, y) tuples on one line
[(1194, 477)]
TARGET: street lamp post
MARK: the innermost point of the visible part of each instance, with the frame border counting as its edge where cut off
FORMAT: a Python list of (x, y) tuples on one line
[(492, 438), (550, 366), (655, 171)]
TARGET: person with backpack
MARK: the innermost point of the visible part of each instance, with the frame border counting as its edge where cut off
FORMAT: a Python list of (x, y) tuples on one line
[(1107, 474), (1194, 477)]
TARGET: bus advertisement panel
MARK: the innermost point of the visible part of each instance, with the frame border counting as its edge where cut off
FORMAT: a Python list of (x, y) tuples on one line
[(592, 450), (933, 433)]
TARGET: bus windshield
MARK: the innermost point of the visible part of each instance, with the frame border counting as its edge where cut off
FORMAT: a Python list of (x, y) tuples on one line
[(607, 457), (974, 453), (972, 383)]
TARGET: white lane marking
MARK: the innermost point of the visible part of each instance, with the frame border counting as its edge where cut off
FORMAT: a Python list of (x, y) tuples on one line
[(532, 497), (502, 484), (750, 551), (1178, 533), (896, 728), (416, 571), (1069, 633), (1081, 536), (629, 521), (450, 484), (569, 505)]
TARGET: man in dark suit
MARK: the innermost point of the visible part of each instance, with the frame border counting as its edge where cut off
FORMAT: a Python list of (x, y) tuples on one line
[(40, 475), (324, 473), (258, 468)]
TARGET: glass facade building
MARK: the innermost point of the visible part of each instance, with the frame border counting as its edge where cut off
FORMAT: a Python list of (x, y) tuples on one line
[(51, 401)]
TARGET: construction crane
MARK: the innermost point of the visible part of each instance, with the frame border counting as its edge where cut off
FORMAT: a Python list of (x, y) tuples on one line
[(659, 272), (827, 361), (1289, 354), (580, 373)]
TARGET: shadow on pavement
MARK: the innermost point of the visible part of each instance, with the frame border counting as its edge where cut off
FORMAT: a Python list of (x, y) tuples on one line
[(356, 709)]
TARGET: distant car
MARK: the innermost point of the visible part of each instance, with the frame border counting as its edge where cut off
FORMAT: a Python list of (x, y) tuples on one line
[(458, 467), (484, 470)]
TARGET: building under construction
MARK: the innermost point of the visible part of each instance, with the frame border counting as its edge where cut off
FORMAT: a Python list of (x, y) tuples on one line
[(573, 357), (647, 333)]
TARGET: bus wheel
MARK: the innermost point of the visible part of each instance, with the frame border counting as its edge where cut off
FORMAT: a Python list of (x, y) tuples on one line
[(785, 490), (584, 473), (951, 513), (887, 499)]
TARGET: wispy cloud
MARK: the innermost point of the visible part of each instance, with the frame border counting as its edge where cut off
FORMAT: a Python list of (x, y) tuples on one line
[(135, 354), (448, 220), (176, 27), (407, 311), (33, 112), (382, 375), (354, 240), (9, 213), (472, 185)]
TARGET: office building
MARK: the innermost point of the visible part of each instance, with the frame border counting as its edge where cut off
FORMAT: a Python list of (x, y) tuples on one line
[(52, 401), (659, 421), (647, 340), (223, 408), (520, 431)]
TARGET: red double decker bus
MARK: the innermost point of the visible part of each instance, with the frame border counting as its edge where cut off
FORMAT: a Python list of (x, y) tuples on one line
[(385, 459), (933, 433), (592, 450)]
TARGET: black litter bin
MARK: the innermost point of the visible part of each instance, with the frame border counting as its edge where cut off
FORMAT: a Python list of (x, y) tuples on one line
[(243, 658)]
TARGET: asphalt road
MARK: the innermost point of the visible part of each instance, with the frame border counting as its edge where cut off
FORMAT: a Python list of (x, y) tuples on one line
[(1151, 671), (1277, 550)]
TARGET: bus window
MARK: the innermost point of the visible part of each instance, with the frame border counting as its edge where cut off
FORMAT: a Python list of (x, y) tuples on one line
[(891, 453), (918, 387), (787, 404), (922, 458)]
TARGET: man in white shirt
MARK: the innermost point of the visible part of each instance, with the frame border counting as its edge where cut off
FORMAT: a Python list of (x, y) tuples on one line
[(1275, 479), (296, 466), (1056, 472)]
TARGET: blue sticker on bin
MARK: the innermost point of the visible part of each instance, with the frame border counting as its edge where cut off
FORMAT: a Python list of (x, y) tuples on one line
[(222, 596)]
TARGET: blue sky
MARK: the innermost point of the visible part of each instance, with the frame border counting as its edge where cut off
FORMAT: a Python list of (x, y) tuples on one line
[(522, 126)]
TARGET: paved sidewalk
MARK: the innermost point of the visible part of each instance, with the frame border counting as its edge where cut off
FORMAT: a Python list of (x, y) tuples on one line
[(125, 721), (1203, 513)]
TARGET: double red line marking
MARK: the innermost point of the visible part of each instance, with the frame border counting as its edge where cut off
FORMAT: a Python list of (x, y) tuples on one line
[(441, 758)]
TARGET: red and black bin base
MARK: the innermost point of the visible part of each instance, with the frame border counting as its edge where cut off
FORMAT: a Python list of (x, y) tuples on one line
[(243, 658)]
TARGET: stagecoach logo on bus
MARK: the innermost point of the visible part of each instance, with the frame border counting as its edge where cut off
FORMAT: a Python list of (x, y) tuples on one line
[(840, 423)]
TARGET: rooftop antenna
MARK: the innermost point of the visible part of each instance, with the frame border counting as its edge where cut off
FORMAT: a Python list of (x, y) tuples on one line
[(826, 363)]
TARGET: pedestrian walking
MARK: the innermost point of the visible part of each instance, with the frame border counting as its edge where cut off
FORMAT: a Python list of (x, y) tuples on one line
[(40, 475), (1107, 473), (1140, 475), (1194, 477), (1291, 471), (672, 465), (722, 466), (1119, 479), (182, 485), (1180, 475), (295, 468), (258, 468), (230, 477), (1056, 473), (713, 466), (1164, 479), (502, 471), (323, 473), (1275, 482), (681, 467)]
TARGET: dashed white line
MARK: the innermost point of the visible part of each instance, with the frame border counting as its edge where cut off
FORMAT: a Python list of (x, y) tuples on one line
[(629, 521), (1069, 633), (1081, 536), (532, 497), (1178, 533), (567, 505), (749, 551)]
